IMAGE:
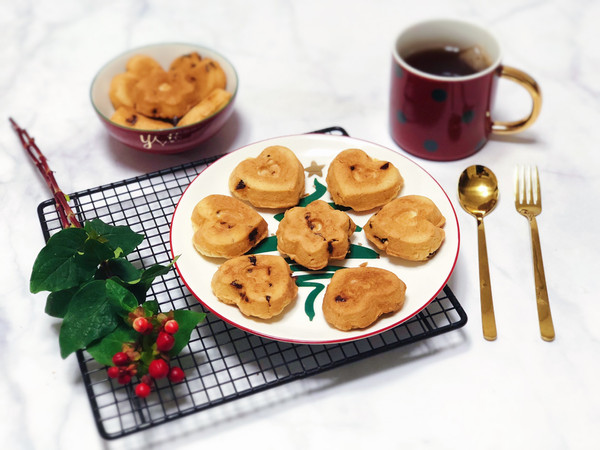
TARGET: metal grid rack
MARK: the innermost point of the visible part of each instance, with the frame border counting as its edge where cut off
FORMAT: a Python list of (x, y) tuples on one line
[(222, 363)]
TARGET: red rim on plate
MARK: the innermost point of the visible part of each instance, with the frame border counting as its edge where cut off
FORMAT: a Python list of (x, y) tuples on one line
[(424, 280)]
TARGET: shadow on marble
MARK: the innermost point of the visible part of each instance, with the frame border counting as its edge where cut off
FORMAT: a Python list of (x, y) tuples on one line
[(514, 139), (299, 393)]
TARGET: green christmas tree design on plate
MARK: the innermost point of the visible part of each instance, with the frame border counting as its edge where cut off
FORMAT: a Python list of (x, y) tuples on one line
[(313, 279)]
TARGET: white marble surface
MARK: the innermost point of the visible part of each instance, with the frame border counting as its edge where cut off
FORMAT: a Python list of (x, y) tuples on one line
[(303, 66)]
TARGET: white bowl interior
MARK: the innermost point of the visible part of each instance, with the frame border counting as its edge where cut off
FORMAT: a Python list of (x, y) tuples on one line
[(164, 54)]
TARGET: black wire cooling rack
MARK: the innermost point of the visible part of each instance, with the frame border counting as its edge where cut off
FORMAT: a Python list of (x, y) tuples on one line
[(222, 363)]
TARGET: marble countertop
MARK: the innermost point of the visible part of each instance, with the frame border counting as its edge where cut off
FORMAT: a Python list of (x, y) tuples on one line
[(304, 66)]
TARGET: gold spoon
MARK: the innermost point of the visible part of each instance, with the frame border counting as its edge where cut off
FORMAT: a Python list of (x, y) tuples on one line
[(478, 195)]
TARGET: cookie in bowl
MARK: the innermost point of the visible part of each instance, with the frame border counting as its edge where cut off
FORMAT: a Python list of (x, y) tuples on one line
[(158, 83)]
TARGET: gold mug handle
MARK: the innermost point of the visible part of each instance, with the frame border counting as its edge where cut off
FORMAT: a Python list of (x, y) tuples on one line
[(533, 89)]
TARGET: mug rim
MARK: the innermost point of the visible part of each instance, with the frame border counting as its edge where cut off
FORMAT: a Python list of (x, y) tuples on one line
[(432, 22)]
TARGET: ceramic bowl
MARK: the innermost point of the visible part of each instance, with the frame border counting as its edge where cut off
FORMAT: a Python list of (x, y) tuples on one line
[(167, 141)]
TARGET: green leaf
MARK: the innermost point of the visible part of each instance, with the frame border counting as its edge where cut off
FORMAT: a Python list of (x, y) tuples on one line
[(58, 302), (187, 321), (60, 264), (140, 287), (117, 237), (150, 307), (120, 297), (95, 252), (103, 349), (120, 268), (90, 316)]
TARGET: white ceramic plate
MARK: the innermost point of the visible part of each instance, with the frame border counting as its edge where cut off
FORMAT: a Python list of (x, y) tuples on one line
[(423, 280)]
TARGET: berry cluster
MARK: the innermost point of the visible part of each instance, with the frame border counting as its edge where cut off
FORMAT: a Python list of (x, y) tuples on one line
[(148, 357)]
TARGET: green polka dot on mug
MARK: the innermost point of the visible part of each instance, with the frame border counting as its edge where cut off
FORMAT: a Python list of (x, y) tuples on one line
[(439, 95), (468, 116), (400, 117), (430, 145)]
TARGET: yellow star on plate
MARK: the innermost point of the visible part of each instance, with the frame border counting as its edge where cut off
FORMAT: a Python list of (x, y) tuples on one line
[(314, 169)]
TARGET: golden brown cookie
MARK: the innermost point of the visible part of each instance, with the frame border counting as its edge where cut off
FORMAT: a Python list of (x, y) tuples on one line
[(163, 95), (226, 227), (187, 62), (357, 297), (129, 117), (142, 65), (216, 100), (409, 227), (121, 89), (356, 180), (205, 74), (315, 234), (260, 285), (274, 179)]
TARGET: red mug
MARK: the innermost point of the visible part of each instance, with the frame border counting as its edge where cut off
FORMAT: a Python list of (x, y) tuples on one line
[(444, 77)]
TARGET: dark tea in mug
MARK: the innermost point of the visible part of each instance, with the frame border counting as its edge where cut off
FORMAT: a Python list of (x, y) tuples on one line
[(449, 61)]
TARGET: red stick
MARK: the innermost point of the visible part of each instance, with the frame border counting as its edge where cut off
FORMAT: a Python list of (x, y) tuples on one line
[(65, 213)]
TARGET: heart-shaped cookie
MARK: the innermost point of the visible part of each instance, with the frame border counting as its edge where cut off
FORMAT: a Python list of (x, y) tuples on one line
[(164, 95), (356, 297), (409, 227), (226, 227), (260, 285), (314, 234), (274, 179), (356, 180), (205, 74)]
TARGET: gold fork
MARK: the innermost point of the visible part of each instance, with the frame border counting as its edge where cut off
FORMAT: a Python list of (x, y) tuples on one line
[(528, 201)]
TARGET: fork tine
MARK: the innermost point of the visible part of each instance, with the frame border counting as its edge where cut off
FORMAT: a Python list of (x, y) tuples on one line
[(518, 190), (538, 190), (529, 187)]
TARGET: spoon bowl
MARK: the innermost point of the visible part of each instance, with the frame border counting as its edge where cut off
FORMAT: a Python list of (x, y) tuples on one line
[(478, 190), (478, 195)]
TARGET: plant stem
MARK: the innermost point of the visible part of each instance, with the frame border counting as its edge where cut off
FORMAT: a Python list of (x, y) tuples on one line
[(65, 213)]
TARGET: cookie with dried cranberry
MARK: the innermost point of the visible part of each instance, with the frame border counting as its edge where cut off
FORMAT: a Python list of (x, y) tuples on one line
[(226, 227), (129, 117), (358, 181), (409, 227), (274, 179), (260, 286), (315, 234), (356, 297)]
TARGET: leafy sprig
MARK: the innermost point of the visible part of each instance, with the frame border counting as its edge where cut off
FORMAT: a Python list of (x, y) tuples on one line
[(94, 289), (101, 296)]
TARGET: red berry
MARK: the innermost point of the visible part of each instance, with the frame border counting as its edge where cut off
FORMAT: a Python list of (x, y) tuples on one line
[(113, 371), (142, 325), (176, 374), (158, 368), (124, 378), (171, 326), (164, 342), (142, 390), (120, 359)]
